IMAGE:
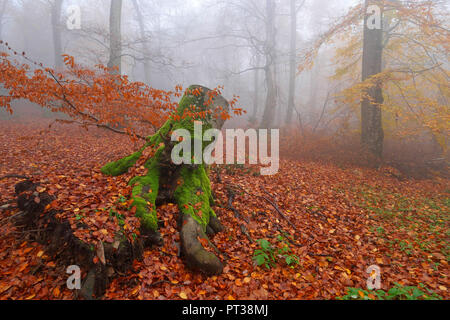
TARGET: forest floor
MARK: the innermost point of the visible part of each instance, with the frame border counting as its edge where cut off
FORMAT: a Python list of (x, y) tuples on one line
[(343, 218)]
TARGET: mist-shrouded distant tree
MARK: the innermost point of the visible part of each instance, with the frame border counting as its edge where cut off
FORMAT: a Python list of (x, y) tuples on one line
[(115, 37), (145, 48), (144, 45), (256, 89), (372, 135), (404, 91), (244, 57), (295, 6), (56, 29), (270, 57), (256, 29), (3, 5)]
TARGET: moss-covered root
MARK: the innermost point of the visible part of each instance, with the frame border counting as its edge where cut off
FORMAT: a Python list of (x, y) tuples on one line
[(193, 198), (196, 256), (121, 166), (193, 195), (144, 194), (215, 225)]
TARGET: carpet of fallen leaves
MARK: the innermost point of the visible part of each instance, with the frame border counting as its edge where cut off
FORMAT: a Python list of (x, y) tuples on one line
[(346, 218)]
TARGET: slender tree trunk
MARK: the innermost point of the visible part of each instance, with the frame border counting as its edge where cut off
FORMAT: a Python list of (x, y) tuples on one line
[(145, 47), (276, 115), (115, 36), (56, 28), (292, 62), (256, 86), (2, 15), (372, 135), (270, 106), (314, 83), (269, 110), (26, 30)]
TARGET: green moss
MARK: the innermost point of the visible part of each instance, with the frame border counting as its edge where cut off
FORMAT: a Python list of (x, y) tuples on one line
[(193, 195), (162, 132), (121, 166), (145, 191), (191, 100)]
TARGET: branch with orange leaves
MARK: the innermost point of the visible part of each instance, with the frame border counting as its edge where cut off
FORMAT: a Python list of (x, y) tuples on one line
[(93, 97)]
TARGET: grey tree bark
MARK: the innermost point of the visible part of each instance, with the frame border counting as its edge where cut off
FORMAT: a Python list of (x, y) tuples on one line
[(56, 29), (292, 62), (115, 36), (145, 47), (270, 55), (2, 15), (314, 80), (372, 135), (256, 88)]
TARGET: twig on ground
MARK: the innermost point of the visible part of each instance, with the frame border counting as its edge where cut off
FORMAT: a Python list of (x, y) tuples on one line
[(275, 206), (14, 176), (277, 209), (12, 217), (320, 255), (231, 196), (7, 205)]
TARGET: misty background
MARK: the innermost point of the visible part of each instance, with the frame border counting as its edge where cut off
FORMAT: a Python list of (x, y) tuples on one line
[(247, 46), (207, 42)]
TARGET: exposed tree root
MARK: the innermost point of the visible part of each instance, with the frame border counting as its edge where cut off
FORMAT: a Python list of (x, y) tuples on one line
[(193, 251)]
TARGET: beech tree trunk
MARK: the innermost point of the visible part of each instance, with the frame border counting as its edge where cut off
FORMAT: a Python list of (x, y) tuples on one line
[(186, 185), (292, 62), (269, 111), (115, 36), (2, 15), (256, 89), (145, 49), (372, 135), (56, 28)]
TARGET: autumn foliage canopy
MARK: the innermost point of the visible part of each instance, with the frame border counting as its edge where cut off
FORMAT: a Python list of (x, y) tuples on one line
[(415, 67)]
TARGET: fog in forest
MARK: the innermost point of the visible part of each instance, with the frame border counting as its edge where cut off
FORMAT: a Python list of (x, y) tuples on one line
[(249, 48), (224, 150)]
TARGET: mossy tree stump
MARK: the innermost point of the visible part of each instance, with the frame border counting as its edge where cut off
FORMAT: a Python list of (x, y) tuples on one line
[(187, 185)]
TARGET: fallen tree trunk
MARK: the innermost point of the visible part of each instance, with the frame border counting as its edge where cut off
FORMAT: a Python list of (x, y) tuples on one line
[(187, 185)]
